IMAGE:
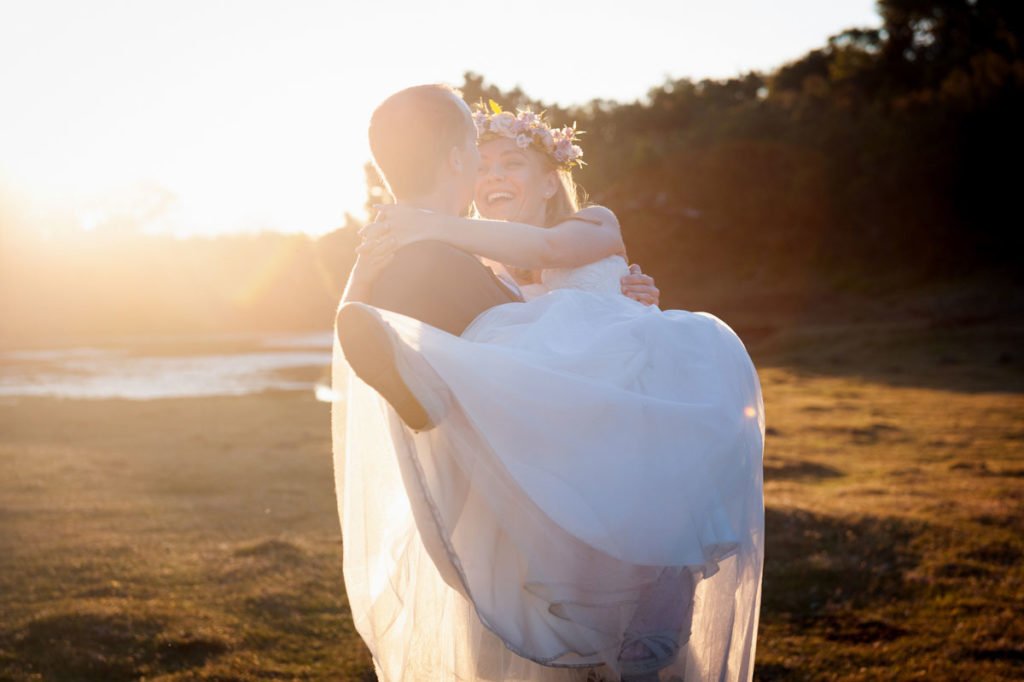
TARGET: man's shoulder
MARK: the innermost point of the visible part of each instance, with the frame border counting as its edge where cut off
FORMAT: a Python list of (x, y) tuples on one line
[(438, 284), (428, 261), (430, 250), (429, 255)]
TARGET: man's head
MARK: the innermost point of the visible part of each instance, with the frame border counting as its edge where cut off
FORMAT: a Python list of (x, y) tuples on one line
[(424, 142)]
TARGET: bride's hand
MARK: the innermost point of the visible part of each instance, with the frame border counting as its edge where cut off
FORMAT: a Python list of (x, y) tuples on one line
[(371, 259), (640, 287), (369, 264), (403, 225)]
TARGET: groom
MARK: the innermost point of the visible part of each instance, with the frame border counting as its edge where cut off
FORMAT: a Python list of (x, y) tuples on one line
[(423, 140)]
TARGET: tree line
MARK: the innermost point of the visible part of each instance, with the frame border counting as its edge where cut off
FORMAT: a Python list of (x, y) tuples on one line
[(887, 157), (888, 154)]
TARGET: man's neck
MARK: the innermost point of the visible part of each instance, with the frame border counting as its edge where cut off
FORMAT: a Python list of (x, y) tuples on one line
[(438, 202)]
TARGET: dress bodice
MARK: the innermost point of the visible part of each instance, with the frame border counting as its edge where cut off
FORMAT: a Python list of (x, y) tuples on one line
[(599, 277)]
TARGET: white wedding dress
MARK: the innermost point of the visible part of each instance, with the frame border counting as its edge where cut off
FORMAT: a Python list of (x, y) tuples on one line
[(593, 459)]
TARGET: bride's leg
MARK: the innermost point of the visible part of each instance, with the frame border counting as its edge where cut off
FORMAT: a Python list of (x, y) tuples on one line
[(369, 347)]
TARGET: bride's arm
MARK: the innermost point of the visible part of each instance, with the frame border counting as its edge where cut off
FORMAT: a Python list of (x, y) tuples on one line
[(589, 235)]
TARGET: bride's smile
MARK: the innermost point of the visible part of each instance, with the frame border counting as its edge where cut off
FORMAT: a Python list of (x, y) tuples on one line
[(513, 183)]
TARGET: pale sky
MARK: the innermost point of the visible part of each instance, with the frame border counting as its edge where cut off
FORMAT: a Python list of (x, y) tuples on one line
[(252, 114)]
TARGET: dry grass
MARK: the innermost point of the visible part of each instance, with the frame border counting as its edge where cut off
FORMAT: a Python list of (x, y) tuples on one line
[(895, 491), (198, 539), (173, 539)]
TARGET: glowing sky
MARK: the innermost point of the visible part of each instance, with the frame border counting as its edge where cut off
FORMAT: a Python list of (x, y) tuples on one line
[(251, 115)]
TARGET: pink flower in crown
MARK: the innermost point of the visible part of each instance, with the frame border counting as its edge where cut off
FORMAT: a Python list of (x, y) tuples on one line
[(557, 136), (561, 153), (526, 128)]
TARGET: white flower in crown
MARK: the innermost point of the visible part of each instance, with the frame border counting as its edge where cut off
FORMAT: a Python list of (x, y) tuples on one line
[(480, 119), (503, 123), (527, 128), (530, 118), (547, 140)]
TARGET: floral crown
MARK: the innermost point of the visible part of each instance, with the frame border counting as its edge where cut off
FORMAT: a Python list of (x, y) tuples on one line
[(528, 128)]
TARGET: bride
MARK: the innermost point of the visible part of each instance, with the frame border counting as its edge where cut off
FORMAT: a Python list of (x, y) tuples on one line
[(583, 499)]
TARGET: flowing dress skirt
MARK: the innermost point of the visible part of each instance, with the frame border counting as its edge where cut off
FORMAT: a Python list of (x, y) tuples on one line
[(593, 460)]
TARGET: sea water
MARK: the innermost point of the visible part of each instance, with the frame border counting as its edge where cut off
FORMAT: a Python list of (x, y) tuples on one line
[(172, 367)]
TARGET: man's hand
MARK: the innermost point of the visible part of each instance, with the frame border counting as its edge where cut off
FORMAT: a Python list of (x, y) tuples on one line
[(640, 287)]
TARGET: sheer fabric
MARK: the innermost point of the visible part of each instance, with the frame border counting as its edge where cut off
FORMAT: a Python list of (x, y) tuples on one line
[(594, 480)]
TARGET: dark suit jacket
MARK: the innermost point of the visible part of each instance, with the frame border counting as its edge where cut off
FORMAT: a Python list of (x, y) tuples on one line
[(446, 288), (439, 284)]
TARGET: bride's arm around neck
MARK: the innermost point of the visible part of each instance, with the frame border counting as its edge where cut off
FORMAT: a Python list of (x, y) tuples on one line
[(589, 235)]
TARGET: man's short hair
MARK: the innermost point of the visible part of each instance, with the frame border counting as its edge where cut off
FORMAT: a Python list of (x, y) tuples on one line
[(411, 132)]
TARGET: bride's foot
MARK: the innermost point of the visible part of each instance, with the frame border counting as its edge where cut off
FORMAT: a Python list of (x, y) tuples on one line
[(642, 658), (369, 346), (661, 627)]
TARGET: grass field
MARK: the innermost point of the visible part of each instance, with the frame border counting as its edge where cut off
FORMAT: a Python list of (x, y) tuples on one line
[(198, 538)]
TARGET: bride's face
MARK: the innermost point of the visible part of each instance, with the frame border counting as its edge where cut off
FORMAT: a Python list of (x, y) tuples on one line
[(513, 183)]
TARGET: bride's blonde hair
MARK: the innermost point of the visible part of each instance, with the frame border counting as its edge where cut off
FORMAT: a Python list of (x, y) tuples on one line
[(567, 200)]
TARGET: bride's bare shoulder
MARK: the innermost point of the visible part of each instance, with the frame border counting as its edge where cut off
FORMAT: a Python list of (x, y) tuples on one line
[(599, 215)]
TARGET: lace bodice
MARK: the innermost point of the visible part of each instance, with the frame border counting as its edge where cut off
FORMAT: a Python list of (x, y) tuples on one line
[(599, 277)]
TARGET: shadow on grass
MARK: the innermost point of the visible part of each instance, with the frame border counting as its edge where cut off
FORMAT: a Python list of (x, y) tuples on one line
[(268, 557), (109, 646), (275, 550), (820, 569), (800, 471), (1010, 655), (307, 611), (769, 672), (966, 351), (829, 576)]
